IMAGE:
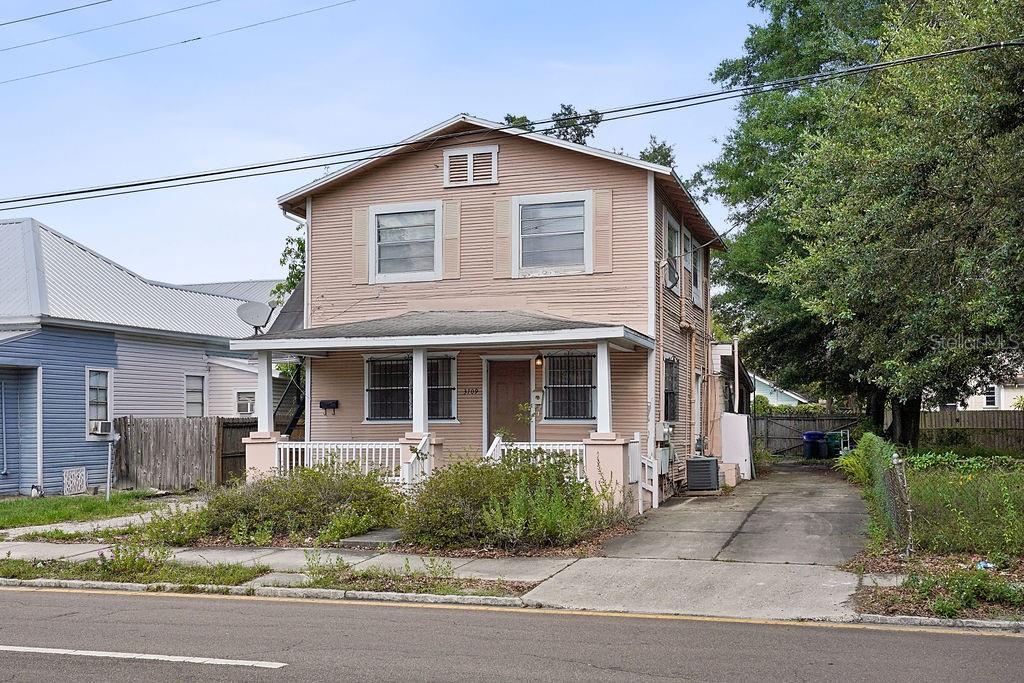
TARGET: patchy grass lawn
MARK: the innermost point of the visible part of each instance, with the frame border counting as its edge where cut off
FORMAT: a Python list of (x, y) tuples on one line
[(436, 578), (958, 594), (23, 511), (98, 570)]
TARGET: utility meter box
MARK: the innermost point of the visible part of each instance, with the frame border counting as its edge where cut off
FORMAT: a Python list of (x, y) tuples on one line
[(537, 398)]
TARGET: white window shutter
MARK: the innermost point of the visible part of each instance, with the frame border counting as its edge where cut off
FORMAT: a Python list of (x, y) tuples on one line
[(451, 242), (360, 251), (502, 238)]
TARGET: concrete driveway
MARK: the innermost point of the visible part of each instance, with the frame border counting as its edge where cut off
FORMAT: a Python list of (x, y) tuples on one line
[(798, 515), (767, 550)]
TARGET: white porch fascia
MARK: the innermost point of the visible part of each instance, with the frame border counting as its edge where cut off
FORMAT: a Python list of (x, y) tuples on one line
[(614, 334)]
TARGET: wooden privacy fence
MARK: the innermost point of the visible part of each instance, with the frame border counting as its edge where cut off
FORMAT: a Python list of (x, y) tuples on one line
[(1002, 429), (784, 434), (177, 453)]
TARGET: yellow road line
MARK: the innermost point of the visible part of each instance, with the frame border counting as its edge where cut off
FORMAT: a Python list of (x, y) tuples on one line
[(527, 611)]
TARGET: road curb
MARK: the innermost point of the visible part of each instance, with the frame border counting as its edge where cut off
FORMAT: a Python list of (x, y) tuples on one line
[(269, 592), (903, 620)]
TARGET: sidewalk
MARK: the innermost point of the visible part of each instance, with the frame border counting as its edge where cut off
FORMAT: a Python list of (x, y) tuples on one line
[(530, 569)]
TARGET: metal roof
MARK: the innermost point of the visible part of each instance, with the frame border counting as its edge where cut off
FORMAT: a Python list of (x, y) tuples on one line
[(45, 275), (249, 290)]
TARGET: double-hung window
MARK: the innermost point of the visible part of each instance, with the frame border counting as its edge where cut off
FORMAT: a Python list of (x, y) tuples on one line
[(245, 402), (671, 390), (389, 389), (553, 234), (569, 387), (991, 396), (696, 280), (97, 399), (406, 242), (673, 243), (195, 395)]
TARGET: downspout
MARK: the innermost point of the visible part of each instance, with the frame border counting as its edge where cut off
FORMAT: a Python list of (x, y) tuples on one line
[(3, 423), (736, 374)]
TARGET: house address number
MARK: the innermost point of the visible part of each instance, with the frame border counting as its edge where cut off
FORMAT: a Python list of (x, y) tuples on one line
[(470, 391)]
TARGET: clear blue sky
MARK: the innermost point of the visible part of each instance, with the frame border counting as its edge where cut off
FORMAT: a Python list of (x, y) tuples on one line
[(371, 72)]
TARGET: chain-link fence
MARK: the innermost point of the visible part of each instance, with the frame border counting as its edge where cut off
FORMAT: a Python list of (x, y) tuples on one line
[(896, 502)]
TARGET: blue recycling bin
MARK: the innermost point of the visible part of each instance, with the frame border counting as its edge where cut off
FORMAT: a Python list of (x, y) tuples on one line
[(814, 445)]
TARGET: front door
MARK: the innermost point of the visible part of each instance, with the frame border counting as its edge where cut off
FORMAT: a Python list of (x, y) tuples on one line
[(508, 387)]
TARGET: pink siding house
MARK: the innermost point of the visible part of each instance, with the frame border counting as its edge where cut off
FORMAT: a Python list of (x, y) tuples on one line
[(479, 279)]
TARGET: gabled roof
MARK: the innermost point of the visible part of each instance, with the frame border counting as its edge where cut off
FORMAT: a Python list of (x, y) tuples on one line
[(48, 277), (293, 201), (792, 394)]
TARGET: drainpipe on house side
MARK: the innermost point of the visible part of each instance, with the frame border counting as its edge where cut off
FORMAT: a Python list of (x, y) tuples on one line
[(735, 374)]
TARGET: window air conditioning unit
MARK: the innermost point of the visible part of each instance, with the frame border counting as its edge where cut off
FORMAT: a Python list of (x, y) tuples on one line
[(99, 427), (702, 474)]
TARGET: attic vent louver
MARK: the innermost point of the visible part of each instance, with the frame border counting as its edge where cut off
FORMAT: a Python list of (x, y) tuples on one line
[(471, 166)]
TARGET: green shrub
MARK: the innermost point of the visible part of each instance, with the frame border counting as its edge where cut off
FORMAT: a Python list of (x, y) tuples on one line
[(317, 502), (530, 498), (962, 459), (950, 594)]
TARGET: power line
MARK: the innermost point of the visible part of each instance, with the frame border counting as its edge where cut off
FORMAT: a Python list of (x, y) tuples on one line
[(50, 14), (106, 26), (147, 50), (622, 112)]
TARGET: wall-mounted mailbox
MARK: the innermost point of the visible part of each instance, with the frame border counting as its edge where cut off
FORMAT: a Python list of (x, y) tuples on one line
[(329, 405)]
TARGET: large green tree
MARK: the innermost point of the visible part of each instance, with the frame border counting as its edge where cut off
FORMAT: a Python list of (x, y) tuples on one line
[(780, 336), (905, 213)]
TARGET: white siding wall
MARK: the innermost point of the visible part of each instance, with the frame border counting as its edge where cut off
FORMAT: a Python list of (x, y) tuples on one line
[(224, 382)]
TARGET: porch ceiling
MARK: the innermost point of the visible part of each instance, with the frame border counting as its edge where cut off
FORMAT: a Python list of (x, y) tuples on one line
[(448, 328)]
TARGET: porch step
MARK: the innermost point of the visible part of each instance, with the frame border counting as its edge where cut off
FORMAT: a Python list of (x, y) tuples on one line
[(373, 539)]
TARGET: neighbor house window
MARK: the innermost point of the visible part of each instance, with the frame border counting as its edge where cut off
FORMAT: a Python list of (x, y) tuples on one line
[(991, 397), (99, 395), (471, 166), (406, 242), (389, 388), (552, 234), (569, 387), (195, 396), (245, 402), (673, 244), (671, 412)]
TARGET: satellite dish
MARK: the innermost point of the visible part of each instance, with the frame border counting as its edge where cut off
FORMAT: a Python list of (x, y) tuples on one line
[(255, 313)]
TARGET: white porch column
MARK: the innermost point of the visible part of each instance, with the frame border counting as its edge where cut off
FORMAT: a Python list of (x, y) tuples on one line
[(264, 391), (604, 389), (419, 391)]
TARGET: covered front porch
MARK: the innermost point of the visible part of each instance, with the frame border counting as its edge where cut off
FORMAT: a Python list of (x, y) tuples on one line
[(415, 392)]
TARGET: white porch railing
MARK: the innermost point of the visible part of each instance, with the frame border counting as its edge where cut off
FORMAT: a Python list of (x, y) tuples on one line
[(418, 469), (575, 449), (368, 455)]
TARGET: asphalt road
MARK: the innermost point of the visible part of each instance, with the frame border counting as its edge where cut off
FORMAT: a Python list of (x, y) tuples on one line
[(352, 641)]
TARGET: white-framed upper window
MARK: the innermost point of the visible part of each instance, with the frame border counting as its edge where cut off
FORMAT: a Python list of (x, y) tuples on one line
[(696, 280), (552, 234), (569, 388), (991, 396), (245, 403), (195, 395), (471, 166), (673, 250), (405, 242), (388, 382), (97, 399)]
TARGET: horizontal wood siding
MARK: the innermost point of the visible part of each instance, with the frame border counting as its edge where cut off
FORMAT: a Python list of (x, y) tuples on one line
[(64, 354), (19, 427), (340, 376), (150, 377), (525, 167)]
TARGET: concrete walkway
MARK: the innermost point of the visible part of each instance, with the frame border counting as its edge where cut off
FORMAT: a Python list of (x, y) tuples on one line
[(529, 569), (767, 550)]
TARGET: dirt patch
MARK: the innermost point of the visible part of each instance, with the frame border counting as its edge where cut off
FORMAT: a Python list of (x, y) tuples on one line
[(906, 601), (890, 560), (591, 547)]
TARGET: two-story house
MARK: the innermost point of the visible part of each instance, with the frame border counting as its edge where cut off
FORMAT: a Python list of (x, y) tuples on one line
[(480, 279)]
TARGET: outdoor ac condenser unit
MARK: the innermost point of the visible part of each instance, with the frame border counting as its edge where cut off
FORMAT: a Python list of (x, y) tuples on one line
[(702, 474)]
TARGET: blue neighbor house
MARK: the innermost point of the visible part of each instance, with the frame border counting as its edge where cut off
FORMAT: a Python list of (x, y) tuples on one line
[(84, 340)]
